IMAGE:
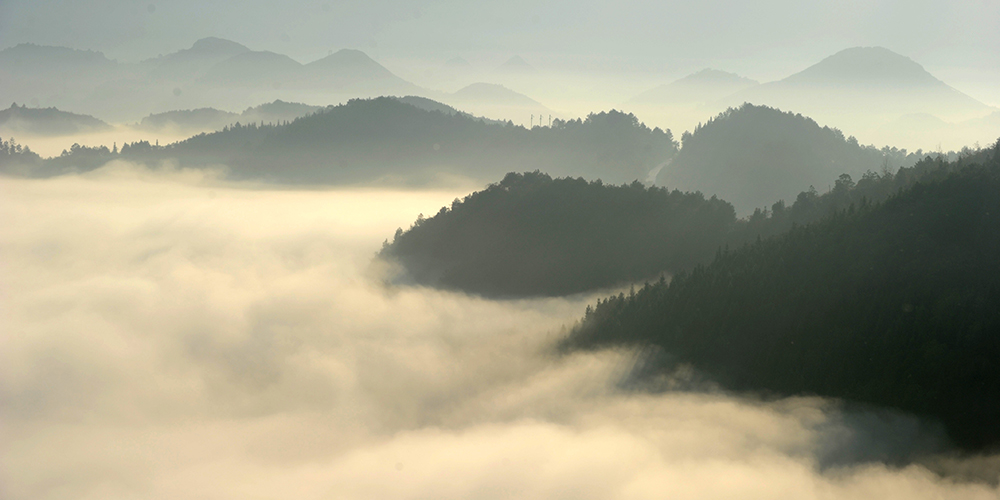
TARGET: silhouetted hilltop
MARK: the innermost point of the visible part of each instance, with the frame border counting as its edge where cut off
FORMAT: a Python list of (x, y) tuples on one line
[(211, 73), (494, 95), (17, 159), (190, 63), (209, 119), (353, 69), (705, 86), (188, 119), (896, 305), (254, 68), (47, 121), (27, 58), (516, 65), (752, 156), (278, 111), (428, 104), (868, 81), (865, 66), (531, 235), (385, 140)]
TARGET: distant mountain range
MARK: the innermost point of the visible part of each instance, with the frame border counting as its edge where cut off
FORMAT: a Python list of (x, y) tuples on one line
[(47, 122), (409, 140), (210, 119), (865, 80), (867, 89), (753, 155), (212, 73), (705, 86)]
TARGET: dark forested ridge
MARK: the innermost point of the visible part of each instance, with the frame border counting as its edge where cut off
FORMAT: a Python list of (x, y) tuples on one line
[(531, 234), (384, 139), (754, 155), (895, 304)]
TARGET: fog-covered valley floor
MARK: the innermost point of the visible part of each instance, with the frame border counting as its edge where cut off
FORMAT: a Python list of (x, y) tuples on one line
[(168, 335)]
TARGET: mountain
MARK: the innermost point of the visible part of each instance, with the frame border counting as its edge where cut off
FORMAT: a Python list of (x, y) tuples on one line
[(353, 70), (493, 94), (211, 119), (200, 119), (53, 76), (753, 156), (532, 235), (31, 59), (278, 111), (705, 86), (497, 102), (47, 121), (253, 69), (516, 65), (188, 64), (457, 62), (895, 305), (384, 140), (872, 82)]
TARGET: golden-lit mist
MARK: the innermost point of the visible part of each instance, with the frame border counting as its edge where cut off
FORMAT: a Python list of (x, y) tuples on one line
[(166, 335)]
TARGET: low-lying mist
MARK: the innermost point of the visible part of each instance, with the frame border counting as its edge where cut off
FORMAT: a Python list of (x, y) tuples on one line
[(164, 334)]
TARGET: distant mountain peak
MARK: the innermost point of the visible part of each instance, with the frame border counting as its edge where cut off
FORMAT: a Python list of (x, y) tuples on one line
[(215, 45), (715, 75), (702, 86), (865, 65), (517, 64), (347, 57)]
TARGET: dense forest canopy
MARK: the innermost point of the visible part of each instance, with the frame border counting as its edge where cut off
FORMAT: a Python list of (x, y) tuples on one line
[(895, 304), (531, 234), (385, 139), (756, 155)]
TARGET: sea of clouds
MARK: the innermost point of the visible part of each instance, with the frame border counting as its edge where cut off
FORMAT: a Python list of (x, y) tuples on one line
[(165, 335)]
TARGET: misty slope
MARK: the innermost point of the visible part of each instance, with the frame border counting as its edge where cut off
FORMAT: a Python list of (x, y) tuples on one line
[(895, 305), (188, 64), (207, 119), (47, 121), (213, 72), (705, 86), (753, 156), (530, 235), (872, 82), (385, 140), (353, 70)]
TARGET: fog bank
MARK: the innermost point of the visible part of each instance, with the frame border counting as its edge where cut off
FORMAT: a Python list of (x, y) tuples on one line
[(164, 334)]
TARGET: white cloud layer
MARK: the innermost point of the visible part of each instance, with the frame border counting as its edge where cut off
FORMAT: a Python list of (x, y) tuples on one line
[(164, 335)]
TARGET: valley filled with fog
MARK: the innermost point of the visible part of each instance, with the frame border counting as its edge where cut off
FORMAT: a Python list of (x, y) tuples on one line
[(427, 249), (180, 336)]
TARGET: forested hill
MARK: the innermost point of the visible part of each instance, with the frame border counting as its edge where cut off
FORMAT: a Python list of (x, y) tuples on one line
[(756, 155), (385, 139), (531, 235), (895, 304)]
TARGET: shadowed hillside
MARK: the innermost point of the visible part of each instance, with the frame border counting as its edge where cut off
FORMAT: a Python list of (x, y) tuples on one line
[(47, 121), (532, 235), (896, 304), (752, 156), (385, 140)]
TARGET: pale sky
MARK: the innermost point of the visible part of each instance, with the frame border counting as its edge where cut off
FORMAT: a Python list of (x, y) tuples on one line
[(766, 39)]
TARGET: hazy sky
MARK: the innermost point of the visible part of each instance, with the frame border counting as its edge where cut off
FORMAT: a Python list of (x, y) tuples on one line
[(764, 39)]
